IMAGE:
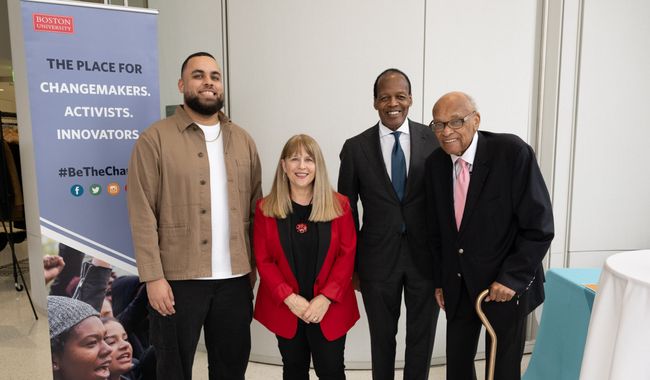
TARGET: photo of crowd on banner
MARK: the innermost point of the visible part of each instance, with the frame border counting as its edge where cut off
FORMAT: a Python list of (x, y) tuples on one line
[(98, 320)]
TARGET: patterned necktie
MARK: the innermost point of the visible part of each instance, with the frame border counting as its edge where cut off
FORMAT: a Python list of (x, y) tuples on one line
[(398, 167), (460, 190)]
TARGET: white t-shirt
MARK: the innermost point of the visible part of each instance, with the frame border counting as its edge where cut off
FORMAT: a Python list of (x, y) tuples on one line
[(221, 267)]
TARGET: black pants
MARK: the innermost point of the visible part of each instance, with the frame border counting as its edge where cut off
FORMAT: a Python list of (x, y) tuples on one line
[(224, 309), (462, 341), (383, 301), (309, 342)]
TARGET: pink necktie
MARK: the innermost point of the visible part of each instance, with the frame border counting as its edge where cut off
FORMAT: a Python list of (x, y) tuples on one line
[(460, 190)]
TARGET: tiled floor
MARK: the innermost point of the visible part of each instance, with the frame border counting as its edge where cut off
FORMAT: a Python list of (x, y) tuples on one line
[(24, 342), (25, 353)]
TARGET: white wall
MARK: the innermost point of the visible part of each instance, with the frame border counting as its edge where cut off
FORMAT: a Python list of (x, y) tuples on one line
[(309, 68), (487, 49), (599, 188), (612, 131), (185, 27)]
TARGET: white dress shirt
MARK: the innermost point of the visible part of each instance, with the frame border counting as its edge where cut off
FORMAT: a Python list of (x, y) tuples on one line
[(387, 142)]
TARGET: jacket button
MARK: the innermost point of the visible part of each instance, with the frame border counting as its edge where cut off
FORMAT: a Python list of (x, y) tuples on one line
[(203, 211), (200, 154), (461, 251), (202, 182), (204, 242), (459, 275)]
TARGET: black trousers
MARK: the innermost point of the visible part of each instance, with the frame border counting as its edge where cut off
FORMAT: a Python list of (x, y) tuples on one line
[(224, 309), (462, 341), (309, 343), (383, 301)]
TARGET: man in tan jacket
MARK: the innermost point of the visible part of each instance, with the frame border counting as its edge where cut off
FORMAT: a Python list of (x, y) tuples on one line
[(193, 182)]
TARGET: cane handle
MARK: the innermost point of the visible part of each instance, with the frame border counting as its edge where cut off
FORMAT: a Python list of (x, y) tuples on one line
[(493, 347)]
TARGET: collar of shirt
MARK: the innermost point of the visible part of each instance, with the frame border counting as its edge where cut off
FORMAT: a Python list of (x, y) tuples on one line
[(387, 142), (210, 132), (469, 154), (384, 130)]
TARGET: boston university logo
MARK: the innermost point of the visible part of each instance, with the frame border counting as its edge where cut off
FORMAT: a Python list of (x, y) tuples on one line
[(53, 23)]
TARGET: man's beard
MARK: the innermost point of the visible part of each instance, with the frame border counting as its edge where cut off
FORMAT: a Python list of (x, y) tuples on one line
[(203, 109)]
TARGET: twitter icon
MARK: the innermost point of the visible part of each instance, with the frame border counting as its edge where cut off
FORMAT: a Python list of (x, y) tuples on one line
[(95, 189)]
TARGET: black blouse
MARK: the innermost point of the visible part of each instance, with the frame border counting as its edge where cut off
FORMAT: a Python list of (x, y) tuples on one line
[(304, 243)]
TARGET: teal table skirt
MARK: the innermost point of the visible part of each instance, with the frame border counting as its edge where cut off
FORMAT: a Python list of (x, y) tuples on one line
[(563, 330)]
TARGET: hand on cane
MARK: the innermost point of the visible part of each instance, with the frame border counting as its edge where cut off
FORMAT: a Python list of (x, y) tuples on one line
[(499, 293)]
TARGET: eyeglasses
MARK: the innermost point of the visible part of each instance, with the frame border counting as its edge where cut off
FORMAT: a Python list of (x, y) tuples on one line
[(439, 126)]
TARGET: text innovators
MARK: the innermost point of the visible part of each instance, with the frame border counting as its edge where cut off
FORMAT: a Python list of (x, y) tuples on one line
[(97, 134)]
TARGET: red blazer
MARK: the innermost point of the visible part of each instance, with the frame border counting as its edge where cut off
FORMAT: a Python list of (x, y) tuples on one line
[(335, 264)]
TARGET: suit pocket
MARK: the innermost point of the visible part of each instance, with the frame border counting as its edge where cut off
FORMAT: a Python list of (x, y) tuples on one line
[(371, 238)]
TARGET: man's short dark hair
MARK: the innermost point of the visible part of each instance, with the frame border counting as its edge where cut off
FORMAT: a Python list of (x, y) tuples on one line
[(197, 54), (390, 71)]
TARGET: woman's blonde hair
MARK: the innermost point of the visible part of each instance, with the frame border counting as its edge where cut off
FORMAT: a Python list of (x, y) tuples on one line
[(325, 205)]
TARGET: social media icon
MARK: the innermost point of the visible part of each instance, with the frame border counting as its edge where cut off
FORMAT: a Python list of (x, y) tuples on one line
[(113, 188), (95, 189), (77, 190)]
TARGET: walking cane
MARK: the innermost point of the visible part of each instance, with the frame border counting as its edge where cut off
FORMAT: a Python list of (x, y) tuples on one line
[(490, 330)]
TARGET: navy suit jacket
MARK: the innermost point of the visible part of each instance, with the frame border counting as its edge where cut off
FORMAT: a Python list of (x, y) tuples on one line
[(506, 230), (363, 176)]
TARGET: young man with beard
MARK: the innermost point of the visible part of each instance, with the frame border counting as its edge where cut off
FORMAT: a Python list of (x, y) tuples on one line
[(193, 182)]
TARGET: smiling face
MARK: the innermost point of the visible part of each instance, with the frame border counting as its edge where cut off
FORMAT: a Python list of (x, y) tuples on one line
[(201, 86), (85, 355), (122, 354), (300, 169), (393, 100), (455, 105)]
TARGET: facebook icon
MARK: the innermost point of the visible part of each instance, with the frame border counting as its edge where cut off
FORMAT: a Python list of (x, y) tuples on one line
[(77, 190)]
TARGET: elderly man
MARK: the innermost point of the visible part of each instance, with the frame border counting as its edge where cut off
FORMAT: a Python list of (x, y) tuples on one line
[(490, 223), (193, 182)]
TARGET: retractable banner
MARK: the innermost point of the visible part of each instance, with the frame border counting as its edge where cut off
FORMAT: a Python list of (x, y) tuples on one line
[(93, 86)]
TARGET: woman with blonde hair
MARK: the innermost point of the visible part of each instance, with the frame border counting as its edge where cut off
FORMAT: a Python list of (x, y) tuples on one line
[(305, 242)]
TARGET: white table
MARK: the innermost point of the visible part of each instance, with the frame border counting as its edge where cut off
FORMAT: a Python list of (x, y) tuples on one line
[(618, 340)]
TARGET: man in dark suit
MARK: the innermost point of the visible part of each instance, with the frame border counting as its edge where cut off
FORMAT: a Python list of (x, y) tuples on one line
[(384, 166), (488, 230)]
